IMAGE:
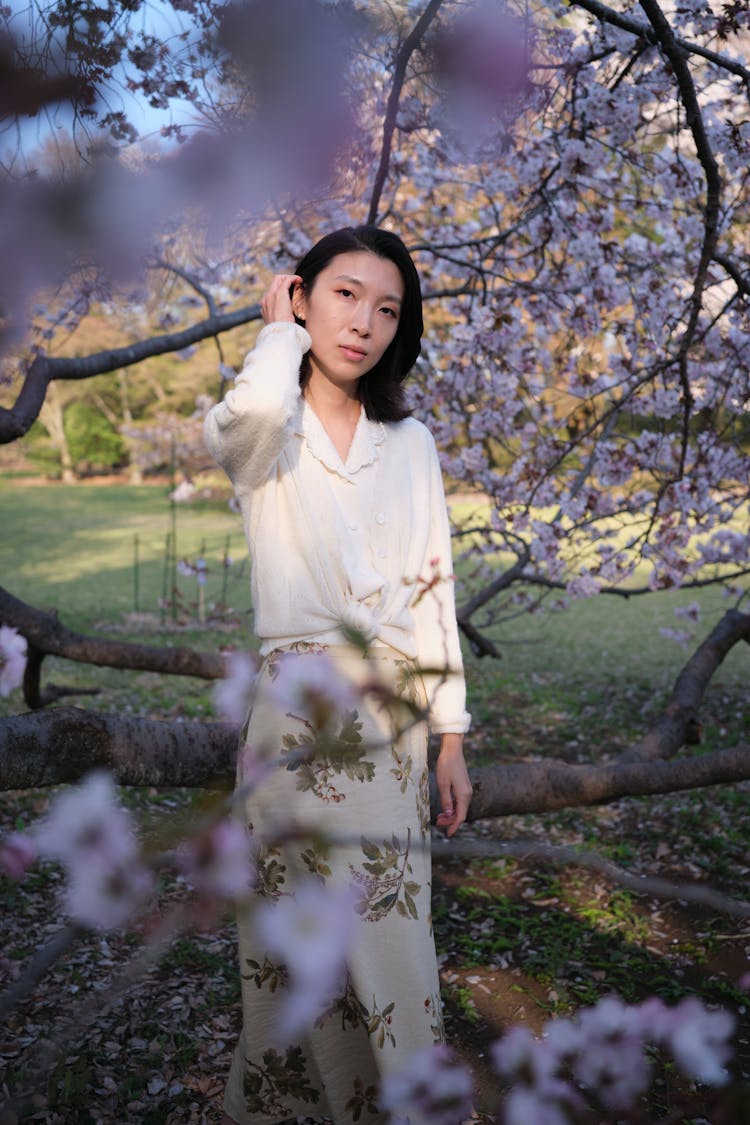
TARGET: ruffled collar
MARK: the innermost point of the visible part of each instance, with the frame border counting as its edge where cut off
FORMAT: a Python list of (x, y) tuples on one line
[(368, 435)]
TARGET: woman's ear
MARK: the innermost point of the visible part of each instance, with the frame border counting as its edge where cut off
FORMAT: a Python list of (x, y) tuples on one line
[(299, 302)]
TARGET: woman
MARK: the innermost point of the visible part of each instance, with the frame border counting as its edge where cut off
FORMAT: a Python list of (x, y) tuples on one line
[(345, 519)]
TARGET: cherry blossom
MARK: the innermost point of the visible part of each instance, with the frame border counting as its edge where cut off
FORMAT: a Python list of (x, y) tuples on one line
[(94, 838), (86, 822), (18, 850), (311, 686), (434, 1085), (310, 932), (12, 659), (233, 694), (105, 897), (604, 1049), (699, 1040), (217, 862)]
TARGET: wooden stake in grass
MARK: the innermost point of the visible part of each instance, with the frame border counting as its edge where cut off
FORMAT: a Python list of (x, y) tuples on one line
[(136, 577), (165, 579), (225, 577)]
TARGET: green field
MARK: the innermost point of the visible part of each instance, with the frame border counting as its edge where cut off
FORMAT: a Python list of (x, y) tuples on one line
[(73, 547), (519, 940)]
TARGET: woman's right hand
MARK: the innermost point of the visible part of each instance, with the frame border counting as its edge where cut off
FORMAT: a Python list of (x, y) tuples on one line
[(277, 302)]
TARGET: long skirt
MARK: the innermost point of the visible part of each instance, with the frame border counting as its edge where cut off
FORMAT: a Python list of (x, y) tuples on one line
[(367, 788)]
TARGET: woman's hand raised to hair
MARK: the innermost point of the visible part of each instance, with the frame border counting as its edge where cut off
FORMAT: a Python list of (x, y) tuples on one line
[(453, 783), (277, 302)]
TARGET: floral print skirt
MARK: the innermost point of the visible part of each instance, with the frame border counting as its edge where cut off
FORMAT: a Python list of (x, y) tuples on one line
[(345, 803)]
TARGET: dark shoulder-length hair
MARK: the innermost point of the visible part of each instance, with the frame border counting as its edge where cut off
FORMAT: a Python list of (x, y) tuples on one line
[(380, 390)]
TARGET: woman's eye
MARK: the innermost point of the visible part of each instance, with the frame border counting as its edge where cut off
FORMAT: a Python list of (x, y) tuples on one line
[(345, 293), (389, 312)]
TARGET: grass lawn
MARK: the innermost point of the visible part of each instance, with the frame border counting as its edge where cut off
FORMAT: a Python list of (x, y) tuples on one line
[(517, 940)]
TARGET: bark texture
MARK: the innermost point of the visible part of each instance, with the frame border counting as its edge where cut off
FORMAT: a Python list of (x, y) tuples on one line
[(61, 745)]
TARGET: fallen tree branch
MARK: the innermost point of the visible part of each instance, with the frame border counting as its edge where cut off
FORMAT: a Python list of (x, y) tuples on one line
[(61, 745), (47, 636), (558, 856)]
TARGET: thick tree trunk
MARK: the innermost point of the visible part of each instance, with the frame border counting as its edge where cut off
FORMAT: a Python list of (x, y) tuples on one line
[(53, 419)]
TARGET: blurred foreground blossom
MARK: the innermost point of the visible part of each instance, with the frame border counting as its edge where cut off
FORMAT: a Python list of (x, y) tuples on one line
[(86, 821), (93, 836), (434, 1086), (310, 932), (312, 687), (604, 1050), (699, 1040), (105, 898), (483, 61), (217, 862), (232, 695), (12, 659), (17, 853)]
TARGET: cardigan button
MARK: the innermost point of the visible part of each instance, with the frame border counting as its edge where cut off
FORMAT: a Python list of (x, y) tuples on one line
[(380, 518)]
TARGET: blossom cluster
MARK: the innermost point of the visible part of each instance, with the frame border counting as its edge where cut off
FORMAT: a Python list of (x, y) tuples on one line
[(601, 1060), (602, 1056)]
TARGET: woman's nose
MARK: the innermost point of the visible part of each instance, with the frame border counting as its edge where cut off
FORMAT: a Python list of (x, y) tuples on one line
[(361, 320)]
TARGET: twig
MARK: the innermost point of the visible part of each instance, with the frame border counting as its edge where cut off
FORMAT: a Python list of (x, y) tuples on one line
[(41, 962), (570, 857)]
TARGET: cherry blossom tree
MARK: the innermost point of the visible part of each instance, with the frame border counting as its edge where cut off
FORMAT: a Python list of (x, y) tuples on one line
[(572, 180)]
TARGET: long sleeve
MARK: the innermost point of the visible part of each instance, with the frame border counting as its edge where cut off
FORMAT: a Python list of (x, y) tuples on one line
[(435, 628), (246, 432)]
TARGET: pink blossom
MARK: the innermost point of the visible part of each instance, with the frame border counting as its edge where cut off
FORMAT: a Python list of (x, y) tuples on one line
[(233, 694), (217, 862), (12, 659), (17, 853), (93, 837), (679, 636), (85, 823), (434, 1085), (525, 1105), (611, 1060), (310, 932), (106, 897), (517, 1056), (699, 1041), (311, 686), (690, 612)]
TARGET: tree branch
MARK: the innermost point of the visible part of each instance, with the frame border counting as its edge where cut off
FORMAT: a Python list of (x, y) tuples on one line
[(534, 787), (592, 861), (47, 636), (643, 31), (63, 744), (408, 47), (16, 420), (679, 723)]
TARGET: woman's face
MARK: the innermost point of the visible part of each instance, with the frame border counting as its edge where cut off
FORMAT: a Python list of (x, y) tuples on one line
[(352, 315)]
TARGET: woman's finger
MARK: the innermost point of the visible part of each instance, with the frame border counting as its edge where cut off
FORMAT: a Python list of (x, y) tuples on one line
[(276, 303)]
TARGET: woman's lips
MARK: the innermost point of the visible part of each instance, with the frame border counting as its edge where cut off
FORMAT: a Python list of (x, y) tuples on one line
[(353, 353)]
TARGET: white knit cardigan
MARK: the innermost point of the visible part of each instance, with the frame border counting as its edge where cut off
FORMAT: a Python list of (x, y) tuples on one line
[(332, 542)]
